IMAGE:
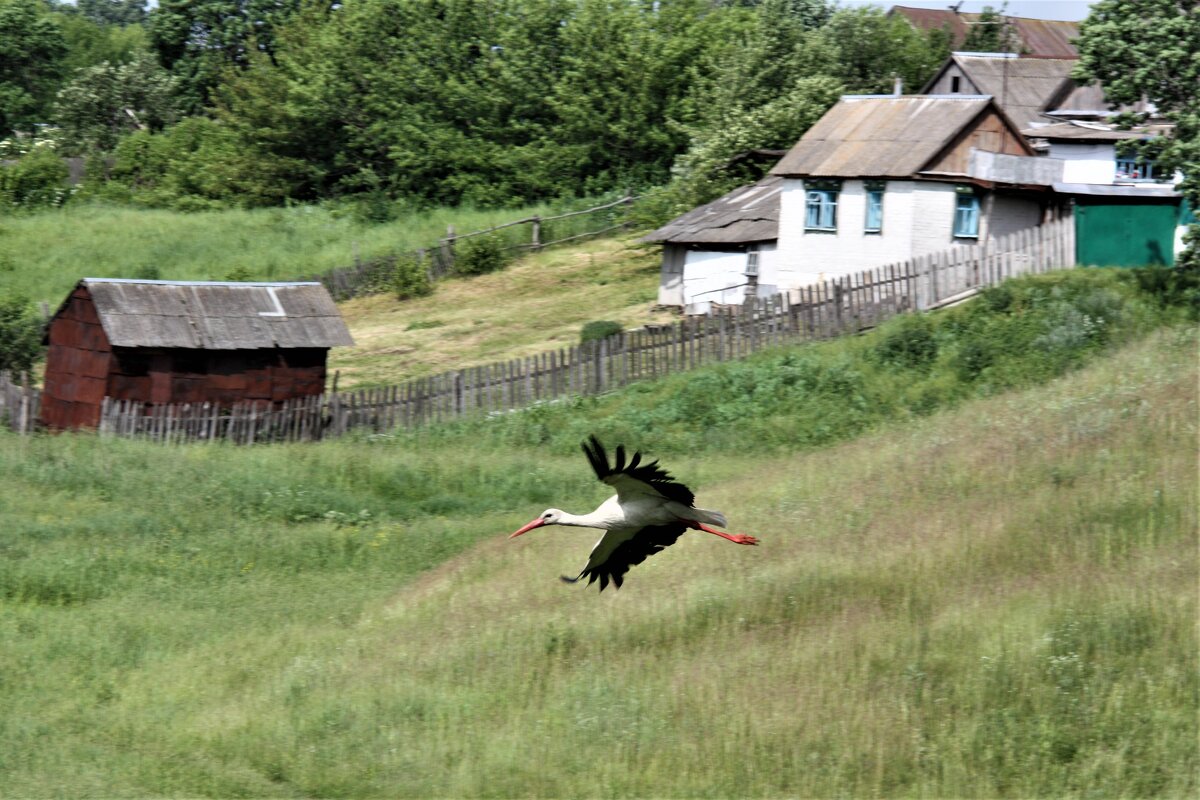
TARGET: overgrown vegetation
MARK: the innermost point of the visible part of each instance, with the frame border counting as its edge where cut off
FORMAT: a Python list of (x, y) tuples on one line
[(1021, 332), (997, 602)]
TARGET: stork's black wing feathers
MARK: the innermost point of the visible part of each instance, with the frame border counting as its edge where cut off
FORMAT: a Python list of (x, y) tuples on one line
[(651, 473), (632, 552)]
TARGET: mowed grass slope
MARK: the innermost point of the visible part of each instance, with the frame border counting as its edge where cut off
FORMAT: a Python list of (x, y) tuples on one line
[(538, 303), (993, 601)]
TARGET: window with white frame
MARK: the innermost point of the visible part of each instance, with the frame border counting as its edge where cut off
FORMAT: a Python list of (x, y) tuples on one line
[(966, 214), (874, 218), (821, 210)]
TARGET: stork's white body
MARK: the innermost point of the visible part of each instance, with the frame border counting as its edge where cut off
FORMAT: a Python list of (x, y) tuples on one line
[(644, 516)]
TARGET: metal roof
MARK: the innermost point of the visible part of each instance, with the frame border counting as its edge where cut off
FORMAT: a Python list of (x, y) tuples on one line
[(214, 315), (1087, 132), (1047, 38), (1117, 190), (747, 214), (1023, 87), (1089, 101), (883, 136)]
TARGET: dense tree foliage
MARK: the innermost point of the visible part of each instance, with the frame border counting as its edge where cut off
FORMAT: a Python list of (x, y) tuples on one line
[(991, 33), (484, 102), (1150, 50), (31, 49)]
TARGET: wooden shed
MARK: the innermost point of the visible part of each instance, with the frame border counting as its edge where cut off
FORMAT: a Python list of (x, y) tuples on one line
[(185, 342)]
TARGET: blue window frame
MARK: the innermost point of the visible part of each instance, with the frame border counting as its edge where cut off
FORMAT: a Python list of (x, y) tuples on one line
[(821, 210), (1128, 169), (874, 222), (966, 216)]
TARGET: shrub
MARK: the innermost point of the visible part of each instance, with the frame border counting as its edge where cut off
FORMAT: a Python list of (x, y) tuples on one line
[(599, 329), (20, 334), (410, 278), (909, 343), (480, 255), (38, 179)]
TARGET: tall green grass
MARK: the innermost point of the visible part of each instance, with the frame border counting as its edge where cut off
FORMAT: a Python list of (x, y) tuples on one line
[(42, 255), (995, 600)]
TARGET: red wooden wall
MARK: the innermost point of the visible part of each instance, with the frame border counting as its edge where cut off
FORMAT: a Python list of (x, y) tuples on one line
[(82, 368)]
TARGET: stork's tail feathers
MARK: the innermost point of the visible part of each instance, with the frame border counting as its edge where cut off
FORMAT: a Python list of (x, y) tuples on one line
[(710, 517)]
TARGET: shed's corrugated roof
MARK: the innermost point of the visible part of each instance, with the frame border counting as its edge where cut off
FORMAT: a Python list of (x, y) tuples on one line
[(747, 214), (1049, 38), (213, 315), (1020, 86), (879, 136)]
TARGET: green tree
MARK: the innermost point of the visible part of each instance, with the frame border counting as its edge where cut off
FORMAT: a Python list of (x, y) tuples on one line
[(31, 49), (20, 335), (873, 49), (89, 43), (113, 12), (198, 39), (1150, 50), (991, 33), (104, 102)]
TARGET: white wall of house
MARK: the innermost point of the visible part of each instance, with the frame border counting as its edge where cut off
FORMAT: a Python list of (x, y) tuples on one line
[(1086, 162), (713, 276), (918, 218)]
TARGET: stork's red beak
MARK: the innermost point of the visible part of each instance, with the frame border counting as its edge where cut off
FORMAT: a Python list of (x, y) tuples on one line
[(537, 523)]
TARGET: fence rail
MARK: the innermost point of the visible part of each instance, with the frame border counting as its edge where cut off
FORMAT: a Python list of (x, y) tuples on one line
[(833, 308), (439, 260), (20, 402)]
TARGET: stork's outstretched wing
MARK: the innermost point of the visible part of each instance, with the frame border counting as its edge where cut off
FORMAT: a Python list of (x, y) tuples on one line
[(612, 557), (634, 478)]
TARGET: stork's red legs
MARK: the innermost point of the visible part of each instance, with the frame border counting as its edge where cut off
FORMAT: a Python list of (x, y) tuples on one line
[(736, 538)]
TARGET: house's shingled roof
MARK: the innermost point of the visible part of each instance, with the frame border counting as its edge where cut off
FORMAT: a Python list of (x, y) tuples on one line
[(747, 214), (879, 136), (216, 315), (1046, 38), (1023, 87)]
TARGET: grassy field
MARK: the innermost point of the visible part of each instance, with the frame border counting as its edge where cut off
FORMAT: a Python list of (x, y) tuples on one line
[(42, 255), (996, 600), (532, 306)]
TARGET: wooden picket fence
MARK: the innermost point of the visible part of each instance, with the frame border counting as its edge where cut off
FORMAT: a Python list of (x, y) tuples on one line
[(20, 402), (833, 308), (516, 238)]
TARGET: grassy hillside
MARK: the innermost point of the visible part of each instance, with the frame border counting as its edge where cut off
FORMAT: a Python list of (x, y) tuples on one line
[(536, 304), (992, 601), (42, 255)]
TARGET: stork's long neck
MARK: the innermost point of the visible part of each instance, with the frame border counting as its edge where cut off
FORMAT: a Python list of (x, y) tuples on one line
[(592, 520)]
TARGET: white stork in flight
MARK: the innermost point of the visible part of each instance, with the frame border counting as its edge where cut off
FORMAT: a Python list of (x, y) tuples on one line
[(648, 513)]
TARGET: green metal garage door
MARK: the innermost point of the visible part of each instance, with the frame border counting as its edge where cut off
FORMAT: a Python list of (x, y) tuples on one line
[(1125, 235)]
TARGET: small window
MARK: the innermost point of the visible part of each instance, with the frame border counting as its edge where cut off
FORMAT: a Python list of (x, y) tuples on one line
[(821, 210), (966, 216), (752, 260), (1128, 169), (955, 83), (874, 222)]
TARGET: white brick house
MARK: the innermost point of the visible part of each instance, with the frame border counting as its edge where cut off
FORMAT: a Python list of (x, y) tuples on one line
[(879, 179)]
